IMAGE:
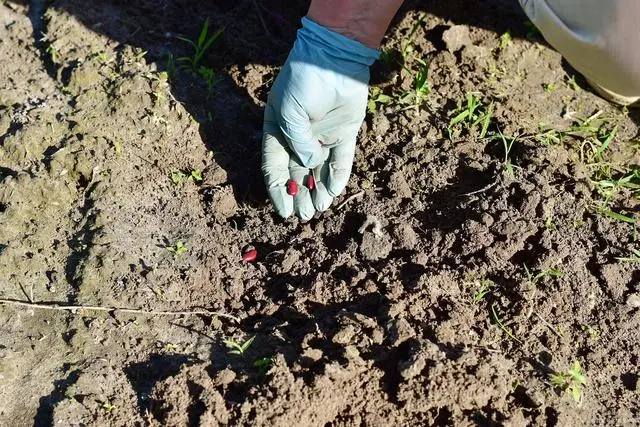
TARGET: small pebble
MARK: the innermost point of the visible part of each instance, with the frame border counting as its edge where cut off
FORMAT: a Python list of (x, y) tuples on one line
[(633, 301)]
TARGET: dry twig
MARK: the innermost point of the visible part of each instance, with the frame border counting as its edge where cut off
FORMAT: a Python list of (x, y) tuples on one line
[(74, 308), (350, 198)]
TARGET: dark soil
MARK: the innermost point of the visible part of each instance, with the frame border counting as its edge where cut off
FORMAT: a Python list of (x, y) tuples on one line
[(352, 328)]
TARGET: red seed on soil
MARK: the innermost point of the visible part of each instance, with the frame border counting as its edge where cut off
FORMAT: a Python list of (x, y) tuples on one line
[(250, 255), (311, 183), (292, 187)]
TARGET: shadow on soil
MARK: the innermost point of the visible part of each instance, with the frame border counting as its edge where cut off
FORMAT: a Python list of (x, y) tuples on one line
[(255, 33)]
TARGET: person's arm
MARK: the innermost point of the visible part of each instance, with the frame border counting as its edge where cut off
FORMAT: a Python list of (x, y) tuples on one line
[(363, 20), (318, 102)]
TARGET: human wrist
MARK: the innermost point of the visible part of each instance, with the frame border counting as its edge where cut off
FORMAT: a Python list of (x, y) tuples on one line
[(363, 20)]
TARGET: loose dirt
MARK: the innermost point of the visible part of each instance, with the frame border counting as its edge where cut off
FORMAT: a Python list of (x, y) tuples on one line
[(384, 326)]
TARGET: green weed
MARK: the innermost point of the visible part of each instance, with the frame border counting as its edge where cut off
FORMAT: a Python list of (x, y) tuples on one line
[(377, 99), (409, 45), (592, 332), (633, 257), (549, 87), (501, 325), (482, 288), (53, 53), (200, 46), (534, 279), (573, 84), (421, 88), (470, 114), (179, 177), (532, 30), (507, 145), (571, 381), (108, 407), (238, 348), (505, 40), (178, 248), (208, 75), (264, 364)]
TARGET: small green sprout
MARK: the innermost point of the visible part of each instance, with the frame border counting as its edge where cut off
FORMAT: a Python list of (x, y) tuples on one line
[(507, 144), (178, 248), (53, 54), (178, 177), (409, 45), (238, 348), (532, 30), (200, 46), (471, 114), (501, 325), (551, 272), (264, 364), (483, 287), (578, 223), (549, 87), (421, 82), (634, 257), (571, 381), (208, 75), (505, 40), (377, 99), (573, 84), (386, 55), (108, 407), (171, 348), (592, 332), (615, 215)]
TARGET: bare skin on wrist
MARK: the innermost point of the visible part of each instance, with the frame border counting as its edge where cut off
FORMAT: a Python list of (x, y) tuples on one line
[(363, 20)]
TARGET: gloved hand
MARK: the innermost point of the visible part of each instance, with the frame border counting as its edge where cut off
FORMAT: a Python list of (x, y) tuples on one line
[(312, 118)]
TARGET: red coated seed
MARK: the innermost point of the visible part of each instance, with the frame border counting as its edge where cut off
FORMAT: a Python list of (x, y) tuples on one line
[(250, 255), (292, 187), (311, 183)]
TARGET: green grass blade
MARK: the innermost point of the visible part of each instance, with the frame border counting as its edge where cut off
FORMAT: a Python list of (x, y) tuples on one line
[(619, 217)]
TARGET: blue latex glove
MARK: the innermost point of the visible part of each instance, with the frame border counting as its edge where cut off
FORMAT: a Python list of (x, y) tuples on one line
[(312, 118)]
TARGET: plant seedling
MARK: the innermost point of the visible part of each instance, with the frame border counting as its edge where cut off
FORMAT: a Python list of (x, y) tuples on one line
[(208, 75), (507, 144), (237, 348), (634, 257), (471, 114), (573, 84), (592, 332), (108, 407), (377, 99), (195, 176), (552, 272), (409, 45), (505, 40), (178, 177), (200, 46), (571, 381), (483, 287), (178, 248), (502, 325), (264, 364)]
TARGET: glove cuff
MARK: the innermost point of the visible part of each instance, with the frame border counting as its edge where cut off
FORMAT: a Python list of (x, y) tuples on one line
[(336, 45)]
